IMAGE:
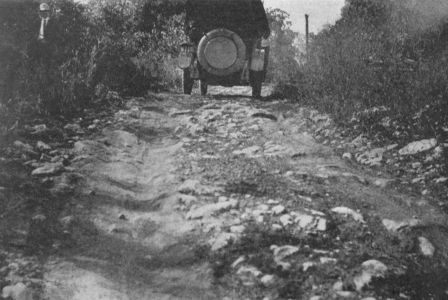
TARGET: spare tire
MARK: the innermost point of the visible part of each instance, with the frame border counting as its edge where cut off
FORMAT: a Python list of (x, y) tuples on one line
[(221, 52)]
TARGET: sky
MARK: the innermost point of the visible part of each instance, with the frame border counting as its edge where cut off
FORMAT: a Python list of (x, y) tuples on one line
[(321, 12)]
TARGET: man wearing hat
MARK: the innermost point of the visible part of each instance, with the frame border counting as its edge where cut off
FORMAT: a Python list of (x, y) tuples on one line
[(41, 51), (44, 13), (41, 48)]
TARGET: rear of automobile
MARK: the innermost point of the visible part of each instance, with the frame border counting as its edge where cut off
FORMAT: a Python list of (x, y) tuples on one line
[(225, 47)]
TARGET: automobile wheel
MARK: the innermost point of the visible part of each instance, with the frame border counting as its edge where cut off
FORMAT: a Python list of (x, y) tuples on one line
[(203, 87), (256, 81), (187, 82)]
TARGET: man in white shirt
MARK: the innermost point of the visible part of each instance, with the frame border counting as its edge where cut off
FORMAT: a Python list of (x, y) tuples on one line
[(44, 13)]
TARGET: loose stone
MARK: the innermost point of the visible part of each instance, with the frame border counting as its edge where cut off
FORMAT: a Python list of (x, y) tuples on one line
[(268, 280), (350, 212), (286, 220), (280, 253), (210, 209), (48, 169), (370, 269), (426, 247), (248, 275), (278, 210)]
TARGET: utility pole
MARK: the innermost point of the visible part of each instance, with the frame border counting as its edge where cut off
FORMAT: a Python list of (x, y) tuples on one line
[(307, 32)]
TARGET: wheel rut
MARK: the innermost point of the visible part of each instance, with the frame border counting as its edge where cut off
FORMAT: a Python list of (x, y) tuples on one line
[(173, 190), (139, 246)]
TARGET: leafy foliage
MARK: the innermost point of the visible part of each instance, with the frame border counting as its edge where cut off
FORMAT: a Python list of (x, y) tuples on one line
[(283, 70), (377, 54), (101, 44)]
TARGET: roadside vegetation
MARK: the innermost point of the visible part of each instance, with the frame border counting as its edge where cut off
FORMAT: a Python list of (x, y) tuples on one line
[(380, 70), (379, 55), (126, 47)]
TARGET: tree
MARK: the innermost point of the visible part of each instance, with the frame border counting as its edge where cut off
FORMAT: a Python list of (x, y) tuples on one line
[(283, 69)]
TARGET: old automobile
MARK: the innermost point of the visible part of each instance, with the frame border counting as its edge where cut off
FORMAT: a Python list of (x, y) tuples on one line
[(226, 44)]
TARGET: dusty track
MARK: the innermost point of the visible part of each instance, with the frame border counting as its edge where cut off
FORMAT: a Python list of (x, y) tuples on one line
[(140, 230)]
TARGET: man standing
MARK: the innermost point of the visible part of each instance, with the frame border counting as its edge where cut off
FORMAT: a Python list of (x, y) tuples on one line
[(44, 14)]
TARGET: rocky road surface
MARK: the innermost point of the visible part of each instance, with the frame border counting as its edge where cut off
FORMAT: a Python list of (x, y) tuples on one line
[(225, 197)]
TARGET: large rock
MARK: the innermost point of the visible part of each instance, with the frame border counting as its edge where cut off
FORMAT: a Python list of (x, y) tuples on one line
[(286, 220), (375, 267), (328, 260), (190, 186), (74, 128), (195, 129), (39, 129), (134, 112), (222, 240), (308, 265), (347, 156), (303, 220), (42, 146), (67, 222), (18, 291), (238, 262), (309, 222), (48, 169), (194, 186), (248, 275), (62, 189), (321, 224), (394, 226), (275, 150), (211, 209), (268, 280), (383, 183), (418, 147), (426, 248), (174, 113), (122, 139), (360, 141), (441, 180), (88, 147), (237, 229), (348, 212), (113, 96), (370, 269), (371, 158), (278, 210), (23, 147), (187, 199), (280, 253), (346, 294), (250, 151)]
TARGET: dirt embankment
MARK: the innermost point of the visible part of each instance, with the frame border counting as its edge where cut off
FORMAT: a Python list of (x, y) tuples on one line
[(223, 197)]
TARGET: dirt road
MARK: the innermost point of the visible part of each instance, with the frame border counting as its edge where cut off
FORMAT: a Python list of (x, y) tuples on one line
[(224, 197)]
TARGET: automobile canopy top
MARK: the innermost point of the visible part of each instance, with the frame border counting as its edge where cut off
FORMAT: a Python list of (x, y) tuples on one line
[(245, 17)]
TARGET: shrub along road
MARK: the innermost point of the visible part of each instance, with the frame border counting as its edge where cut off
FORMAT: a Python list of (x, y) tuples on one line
[(219, 197)]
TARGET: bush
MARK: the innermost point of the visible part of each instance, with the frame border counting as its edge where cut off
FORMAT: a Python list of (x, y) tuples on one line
[(124, 46), (380, 54), (283, 69), (101, 43)]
